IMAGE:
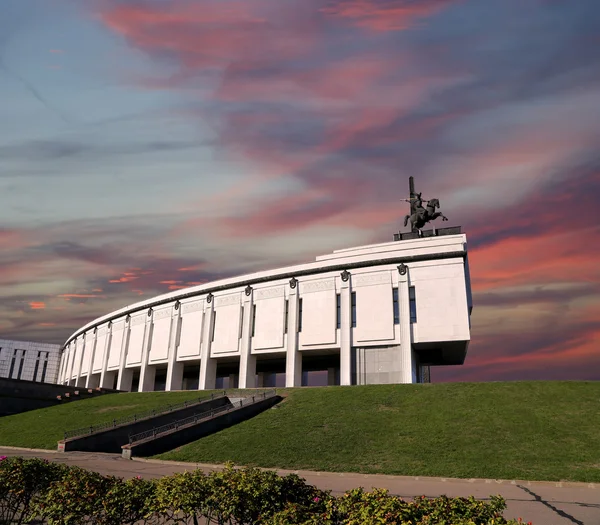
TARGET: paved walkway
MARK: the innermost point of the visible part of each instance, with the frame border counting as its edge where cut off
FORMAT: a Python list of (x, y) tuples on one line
[(543, 503)]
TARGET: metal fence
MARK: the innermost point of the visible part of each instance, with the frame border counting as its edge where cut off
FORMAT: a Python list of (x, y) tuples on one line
[(207, 414), (86, 431)]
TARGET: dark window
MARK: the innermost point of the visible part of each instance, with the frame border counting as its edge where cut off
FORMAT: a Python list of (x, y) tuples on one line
[(214, 324), (12, 364), (300, 315), (44, 368), (37, 364), (21, 365), (338, 309), (396, 306), (413, 304), (241, 323), (253, 318), (353, 304), (287, 314)]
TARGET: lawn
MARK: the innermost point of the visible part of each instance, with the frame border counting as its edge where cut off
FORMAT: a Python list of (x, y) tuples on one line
[(512, 430), (42, 428)]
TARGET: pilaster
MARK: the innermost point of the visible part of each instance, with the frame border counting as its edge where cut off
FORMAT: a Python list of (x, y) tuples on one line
[(247, 378), (174, 368), (293, 358), (125, 378), (408, 370), (147, 372), (345, 333), (88, 379), (208, 366)]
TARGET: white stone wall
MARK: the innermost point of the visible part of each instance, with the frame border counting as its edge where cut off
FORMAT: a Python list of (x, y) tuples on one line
[(305, 310), (29, 360)]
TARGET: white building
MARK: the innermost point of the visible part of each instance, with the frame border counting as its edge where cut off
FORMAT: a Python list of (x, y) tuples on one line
[(368, 315), (29, 360)]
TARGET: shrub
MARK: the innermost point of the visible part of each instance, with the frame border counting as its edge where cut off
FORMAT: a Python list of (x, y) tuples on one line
[(358, 507), (249, 496), (128, 502), (21, 482), (76, 499), (182, 497)]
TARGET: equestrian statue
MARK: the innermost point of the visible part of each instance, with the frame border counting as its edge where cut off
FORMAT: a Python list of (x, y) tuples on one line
[(420, 215)]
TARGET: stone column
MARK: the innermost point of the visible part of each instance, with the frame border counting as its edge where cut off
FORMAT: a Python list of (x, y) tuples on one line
[(88, 379), (293, 357), (125, 378), (208, 366), (247, 360), (107, 379), (174, 368), (345, 333), (80, 363), (147, 372), (407, 360)]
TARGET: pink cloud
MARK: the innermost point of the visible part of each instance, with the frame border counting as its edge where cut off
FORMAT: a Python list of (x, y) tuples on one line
[(37, 305), (392, 15), (78, 296)]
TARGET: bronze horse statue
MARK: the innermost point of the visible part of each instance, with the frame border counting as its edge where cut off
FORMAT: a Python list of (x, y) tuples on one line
[(421, 215)]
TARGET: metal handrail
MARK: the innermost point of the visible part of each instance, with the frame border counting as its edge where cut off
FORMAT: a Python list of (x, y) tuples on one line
[(92, 429), (195, 418)]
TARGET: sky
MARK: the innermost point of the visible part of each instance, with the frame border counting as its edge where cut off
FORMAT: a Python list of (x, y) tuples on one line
[(151, 145)]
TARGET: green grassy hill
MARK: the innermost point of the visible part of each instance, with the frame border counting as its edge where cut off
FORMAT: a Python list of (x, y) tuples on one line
[(43, 428), (516, 430)]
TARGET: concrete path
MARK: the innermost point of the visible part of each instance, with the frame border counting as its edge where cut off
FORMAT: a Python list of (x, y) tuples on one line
[(543, 503)]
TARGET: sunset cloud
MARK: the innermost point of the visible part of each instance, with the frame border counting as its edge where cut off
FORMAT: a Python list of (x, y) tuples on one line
[(210, 138), (37, 305)]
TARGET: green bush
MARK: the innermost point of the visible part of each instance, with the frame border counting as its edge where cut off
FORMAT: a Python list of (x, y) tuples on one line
[(63, 495), (76, 499), (182, 498), (21, 482), (358, 507), (129, 501)]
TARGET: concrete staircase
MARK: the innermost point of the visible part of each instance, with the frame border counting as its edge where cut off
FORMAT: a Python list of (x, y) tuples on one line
[(19, 395), (182, 431)]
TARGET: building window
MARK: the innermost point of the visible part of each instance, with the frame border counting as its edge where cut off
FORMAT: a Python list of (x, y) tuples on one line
[(413, 304), (338, 310), (396, 306), (214, 324), (253, 318), (287, 314), (21, 365), (12, 364), (44, 368), (353, 306), (37, 364), (300, 315)]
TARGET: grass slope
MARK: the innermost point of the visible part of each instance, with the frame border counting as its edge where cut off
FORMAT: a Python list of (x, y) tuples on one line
[(516, 430), (42, 428)]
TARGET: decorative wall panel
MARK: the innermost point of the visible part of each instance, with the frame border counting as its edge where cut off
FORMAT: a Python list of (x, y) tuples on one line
[(116, 345), (161, 333), (78, 355), (318, 313), (99, 353), (190, 336), (374, 313), (269, 323), (227, 328), (136, 340)]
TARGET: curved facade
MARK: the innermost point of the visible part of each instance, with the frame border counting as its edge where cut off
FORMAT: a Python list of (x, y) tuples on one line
[(374, 314)]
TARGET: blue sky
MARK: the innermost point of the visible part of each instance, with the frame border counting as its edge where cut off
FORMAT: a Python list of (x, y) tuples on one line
[(147, 145)]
